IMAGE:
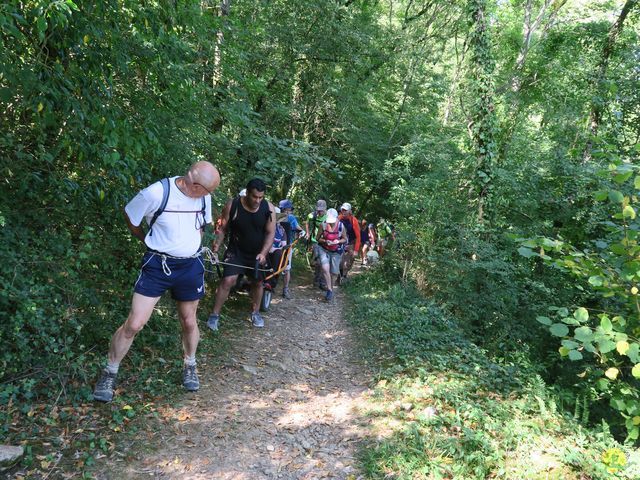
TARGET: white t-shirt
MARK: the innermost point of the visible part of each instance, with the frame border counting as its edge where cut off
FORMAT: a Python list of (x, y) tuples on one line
[(177, 230)]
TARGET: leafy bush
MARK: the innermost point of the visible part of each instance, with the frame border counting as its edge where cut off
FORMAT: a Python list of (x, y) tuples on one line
[(602, 336), (445, 409)]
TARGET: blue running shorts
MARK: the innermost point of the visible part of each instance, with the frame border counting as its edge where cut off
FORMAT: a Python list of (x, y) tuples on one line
[(183, 276)]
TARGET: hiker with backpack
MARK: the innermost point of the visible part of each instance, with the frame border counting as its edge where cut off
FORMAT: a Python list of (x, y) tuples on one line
[(176, 210), (352, 226), (331, 242), (293, 229), (385, 233), (277, 250), (312, 226), (367, 239), (251, 224)]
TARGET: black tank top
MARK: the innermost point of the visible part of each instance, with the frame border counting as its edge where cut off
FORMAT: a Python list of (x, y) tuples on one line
[(247, 228)]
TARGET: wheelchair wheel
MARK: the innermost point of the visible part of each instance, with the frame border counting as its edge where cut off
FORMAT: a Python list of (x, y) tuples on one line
[(266, 299)]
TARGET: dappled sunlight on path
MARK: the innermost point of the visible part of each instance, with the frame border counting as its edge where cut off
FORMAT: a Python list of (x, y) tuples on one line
[(285, 402)]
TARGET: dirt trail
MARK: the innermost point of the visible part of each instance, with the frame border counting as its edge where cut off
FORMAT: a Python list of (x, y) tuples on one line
[(284, 402)]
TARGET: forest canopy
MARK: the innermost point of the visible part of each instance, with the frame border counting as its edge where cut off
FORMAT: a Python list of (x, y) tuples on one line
[(501, 138)]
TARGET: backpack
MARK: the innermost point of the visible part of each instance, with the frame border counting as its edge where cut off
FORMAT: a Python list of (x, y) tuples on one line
[(314, 224), (339, 248), (288, 231), (348, 224), (166, 188)]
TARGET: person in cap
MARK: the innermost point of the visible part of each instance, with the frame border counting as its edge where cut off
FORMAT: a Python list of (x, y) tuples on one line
[(331, 241), (176, 210), (367, 239), (280, 241), (293, 229), (251, 224), (313, 224), (384, 235), (351, 224)]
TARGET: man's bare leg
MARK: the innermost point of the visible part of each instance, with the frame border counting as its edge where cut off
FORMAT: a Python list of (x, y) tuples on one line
[(141, 310), (187, 313)]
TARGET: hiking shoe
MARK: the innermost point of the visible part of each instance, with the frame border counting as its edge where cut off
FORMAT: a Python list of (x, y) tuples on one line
[(329, 295), (257, 320), (190, 378), (286, 294), (323, 287), (212, 322), (104, 388)]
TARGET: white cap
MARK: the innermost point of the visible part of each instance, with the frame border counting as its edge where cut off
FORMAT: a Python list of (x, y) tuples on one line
[(277, 209), (332, 215), (243, 192), (346, 206)]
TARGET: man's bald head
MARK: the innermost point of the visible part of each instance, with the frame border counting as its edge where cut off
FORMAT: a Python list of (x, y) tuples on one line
[(205, 174)]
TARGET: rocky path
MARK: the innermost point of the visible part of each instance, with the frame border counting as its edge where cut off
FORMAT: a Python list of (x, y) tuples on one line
[(283, 403)]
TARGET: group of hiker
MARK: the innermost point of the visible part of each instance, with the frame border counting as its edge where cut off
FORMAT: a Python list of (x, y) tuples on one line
[(258, 235), (337, 238)]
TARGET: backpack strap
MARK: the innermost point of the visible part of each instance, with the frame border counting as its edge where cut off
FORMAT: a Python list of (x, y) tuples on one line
[(234, 209), (204, 214), (166, 187)]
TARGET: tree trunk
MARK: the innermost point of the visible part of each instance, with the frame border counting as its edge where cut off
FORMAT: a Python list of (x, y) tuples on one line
[(482, 127), (225, 7), (595, 115)]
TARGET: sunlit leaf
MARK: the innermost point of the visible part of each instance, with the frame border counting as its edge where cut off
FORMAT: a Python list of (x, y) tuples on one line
[(612, 373), (596, 280), (629, 212), (606, 325), (622, 347), (581, 314)]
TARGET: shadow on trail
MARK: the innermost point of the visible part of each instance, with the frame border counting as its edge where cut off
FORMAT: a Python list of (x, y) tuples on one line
[(281, 402)]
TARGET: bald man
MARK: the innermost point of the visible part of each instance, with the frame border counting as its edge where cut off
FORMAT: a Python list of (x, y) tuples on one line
[(172, 262)]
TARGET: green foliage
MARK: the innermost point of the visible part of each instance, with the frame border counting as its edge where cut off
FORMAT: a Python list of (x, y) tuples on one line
[(607, 342), (449, 411), (401, 108)]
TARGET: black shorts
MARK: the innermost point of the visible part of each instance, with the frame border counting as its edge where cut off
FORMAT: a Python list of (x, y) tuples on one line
[(243, 262)]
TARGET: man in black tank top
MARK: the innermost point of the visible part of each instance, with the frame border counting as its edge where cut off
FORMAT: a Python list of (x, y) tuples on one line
[(251, 224)]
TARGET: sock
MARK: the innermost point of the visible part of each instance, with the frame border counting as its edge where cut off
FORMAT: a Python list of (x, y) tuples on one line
[(189, 361), (112, 367)]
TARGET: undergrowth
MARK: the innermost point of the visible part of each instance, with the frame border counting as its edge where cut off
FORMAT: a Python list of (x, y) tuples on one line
[(69, 436), (447, 409)]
